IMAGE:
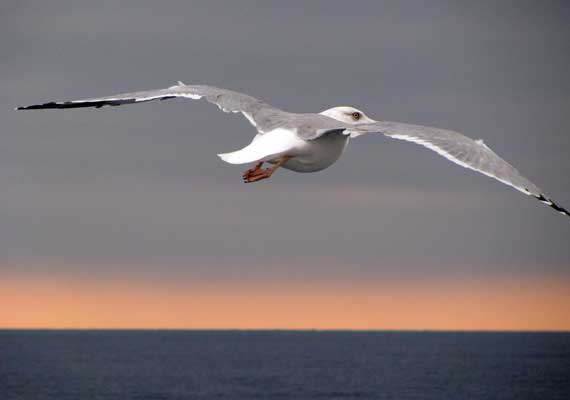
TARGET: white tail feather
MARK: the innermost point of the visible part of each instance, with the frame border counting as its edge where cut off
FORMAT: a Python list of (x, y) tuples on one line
[(264, 147), (238, 157)]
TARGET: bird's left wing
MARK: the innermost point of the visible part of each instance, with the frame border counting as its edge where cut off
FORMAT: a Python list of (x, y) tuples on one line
[(469, 153), (261, 115)]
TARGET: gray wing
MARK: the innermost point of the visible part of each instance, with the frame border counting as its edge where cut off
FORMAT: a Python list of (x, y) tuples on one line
[(261, 115), (469, 153)]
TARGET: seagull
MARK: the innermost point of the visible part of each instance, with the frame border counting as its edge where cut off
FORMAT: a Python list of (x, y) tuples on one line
[(307, 142)]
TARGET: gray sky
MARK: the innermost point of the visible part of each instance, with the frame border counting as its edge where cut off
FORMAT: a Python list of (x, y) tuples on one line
[(139, 189)]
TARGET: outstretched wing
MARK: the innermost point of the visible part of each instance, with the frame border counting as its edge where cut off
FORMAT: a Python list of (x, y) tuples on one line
[(469, 153), (261, 115)]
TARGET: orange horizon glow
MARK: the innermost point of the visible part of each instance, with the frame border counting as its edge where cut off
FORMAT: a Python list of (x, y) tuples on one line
[(538, 304)]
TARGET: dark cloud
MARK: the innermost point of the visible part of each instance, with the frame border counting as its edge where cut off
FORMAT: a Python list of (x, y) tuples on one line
[(141, 186)]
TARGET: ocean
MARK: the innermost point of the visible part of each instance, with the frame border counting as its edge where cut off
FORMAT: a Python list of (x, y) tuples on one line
[(161, 365)]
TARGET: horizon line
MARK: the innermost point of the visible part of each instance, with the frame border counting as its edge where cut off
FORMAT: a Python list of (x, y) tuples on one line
[(140, 329)]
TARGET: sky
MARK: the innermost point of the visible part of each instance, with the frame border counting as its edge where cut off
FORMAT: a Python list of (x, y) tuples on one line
[(125, 218)]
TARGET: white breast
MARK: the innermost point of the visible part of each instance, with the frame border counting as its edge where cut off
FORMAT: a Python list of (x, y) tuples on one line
[(319, 154)]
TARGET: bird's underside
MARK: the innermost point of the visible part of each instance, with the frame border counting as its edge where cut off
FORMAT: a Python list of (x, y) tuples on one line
[(294, 141)]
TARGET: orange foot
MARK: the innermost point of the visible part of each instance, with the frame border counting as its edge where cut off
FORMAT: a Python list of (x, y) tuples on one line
[(252, 171), (254, 175)]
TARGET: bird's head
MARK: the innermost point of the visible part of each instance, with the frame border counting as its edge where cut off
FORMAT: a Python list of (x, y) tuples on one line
[(348, 115)]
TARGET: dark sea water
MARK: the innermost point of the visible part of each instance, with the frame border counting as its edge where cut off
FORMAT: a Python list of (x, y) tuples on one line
[(157, 365)]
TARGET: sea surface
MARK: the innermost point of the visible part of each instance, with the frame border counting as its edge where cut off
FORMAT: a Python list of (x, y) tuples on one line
[(156, 365)]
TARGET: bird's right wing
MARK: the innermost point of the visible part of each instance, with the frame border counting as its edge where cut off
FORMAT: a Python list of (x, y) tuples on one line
[(260, 114), (469, 153)]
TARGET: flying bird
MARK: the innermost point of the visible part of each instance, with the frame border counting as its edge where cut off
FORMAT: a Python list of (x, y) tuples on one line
[(312, 142)]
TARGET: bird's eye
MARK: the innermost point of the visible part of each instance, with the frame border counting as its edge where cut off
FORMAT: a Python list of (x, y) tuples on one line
[(355, 116)]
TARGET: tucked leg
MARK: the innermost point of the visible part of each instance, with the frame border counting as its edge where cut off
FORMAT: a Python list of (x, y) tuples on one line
[(258, 174), (252, 171)]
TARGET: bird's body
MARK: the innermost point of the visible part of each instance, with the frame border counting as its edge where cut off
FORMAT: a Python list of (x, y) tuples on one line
[(312, 142), (319, 154), (306, 155)]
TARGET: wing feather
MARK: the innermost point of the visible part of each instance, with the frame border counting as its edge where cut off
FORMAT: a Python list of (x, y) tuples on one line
[(469, 153), (260, 114)]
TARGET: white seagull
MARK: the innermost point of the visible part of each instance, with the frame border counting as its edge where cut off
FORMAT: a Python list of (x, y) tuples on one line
[(312, 142)]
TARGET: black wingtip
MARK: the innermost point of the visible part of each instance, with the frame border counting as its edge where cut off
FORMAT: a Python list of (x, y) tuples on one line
[(79, 104), (44, 106), (552, 204)]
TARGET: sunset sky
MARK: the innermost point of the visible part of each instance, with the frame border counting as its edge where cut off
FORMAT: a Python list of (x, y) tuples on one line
[(125, 217)]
